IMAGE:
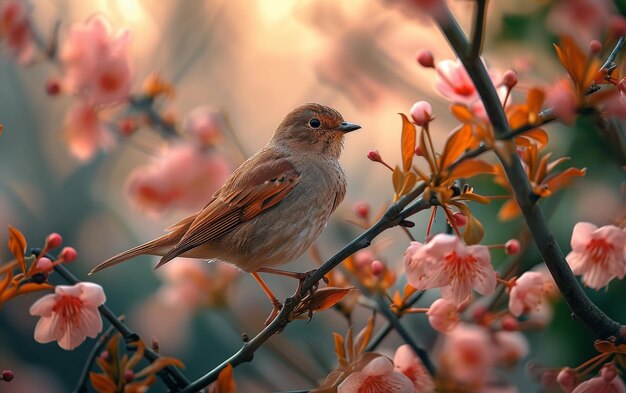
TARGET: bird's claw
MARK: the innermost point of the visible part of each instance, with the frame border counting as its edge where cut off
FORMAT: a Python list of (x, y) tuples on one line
[(277, 307)]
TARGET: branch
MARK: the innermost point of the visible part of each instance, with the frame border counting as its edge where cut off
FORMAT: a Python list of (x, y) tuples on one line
[(393, 320), (392, 217), (385, 330), (582, 307), (171, 375), (81, 385), (609, 64), (478, 29)]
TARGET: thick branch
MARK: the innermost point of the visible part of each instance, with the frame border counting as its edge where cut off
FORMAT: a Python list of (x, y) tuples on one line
[(478, 29), (585, 310)]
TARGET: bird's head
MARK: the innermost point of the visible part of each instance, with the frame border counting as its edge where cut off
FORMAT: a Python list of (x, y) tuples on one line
[(313, 127)]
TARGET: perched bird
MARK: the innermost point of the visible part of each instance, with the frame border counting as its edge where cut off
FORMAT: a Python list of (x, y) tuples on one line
[(273, 207)]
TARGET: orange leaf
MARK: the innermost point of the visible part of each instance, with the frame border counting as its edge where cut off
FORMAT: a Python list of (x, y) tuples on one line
[(555, 182), (159, 364), (327, 297), (470, 168), (102, 383), (410, 180), (32, 287), (474, 231), (535, 100), (340, 350), (462, 113), (470, 196), (5, 281), (538, 134), (509, 210), (409, 134), (226, 381), (17, 245), (457, 142), (363, 338), (398, 180)]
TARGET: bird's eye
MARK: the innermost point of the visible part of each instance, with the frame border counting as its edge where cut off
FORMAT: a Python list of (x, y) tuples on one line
[(315, 123)]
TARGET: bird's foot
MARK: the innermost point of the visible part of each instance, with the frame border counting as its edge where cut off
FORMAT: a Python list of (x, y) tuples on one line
[(302, 277), (277, 306)]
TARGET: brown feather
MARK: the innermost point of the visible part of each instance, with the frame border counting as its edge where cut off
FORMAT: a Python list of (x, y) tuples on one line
[(244, 196)]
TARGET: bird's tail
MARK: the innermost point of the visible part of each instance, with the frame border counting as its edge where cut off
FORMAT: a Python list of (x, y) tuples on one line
[(157, 246)]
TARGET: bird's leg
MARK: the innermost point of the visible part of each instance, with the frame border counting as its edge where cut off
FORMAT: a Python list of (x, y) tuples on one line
[(301, 277), (273, 299)]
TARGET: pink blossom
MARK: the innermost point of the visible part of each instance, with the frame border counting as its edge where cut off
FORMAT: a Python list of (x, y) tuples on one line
[(510, 347), (608, 382), (69, 315), (566, 378), (447, 263), (616, 105), (377, 377), (407, 362), (95, 63), (597, 254), (191, 284), (467, 355), (561, 97), (583, 20), (15, 30), (527, 293), (185, 176), (421, 113), (443, 316), (205, 125), (455, 84), (84, 133)]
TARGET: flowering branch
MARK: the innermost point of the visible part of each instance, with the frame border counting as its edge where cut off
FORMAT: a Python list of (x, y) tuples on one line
[(170, 375), (394, 216), (582, 307)]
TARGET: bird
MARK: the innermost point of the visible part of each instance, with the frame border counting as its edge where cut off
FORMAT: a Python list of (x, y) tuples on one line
[(272, 208)]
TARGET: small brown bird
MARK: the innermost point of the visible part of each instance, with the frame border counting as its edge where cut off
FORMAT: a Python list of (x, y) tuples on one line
[(273, 207)]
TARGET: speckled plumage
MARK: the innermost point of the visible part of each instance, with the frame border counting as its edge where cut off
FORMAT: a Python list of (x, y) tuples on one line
[(273, 207)]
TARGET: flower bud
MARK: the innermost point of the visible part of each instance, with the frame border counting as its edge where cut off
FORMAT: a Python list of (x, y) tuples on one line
[(374, 155), (377, 267), (595, 47), (425, 58), (421, 112), (129, 376), (608, 372), (566, 378), (362, 209), (53, 87), (512, 247), (127, 126), (509, 79), (68, 254), (54, 240), (45, 265), (7, 375), (509, 323), (459, 219)]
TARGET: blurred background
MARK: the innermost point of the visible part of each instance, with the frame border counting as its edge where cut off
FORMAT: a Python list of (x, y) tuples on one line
[(255, 61)]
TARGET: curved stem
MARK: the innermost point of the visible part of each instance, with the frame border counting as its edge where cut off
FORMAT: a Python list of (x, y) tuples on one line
[(582, 307)]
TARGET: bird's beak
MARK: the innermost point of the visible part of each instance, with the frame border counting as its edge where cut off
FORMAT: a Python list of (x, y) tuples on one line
[(347, 126)]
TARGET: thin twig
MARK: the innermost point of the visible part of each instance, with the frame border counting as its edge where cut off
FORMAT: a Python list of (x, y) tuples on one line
[(385, 330), (585, 310), (392, 318), (81, 385), (478, 28), (609, 64), (177, 381)]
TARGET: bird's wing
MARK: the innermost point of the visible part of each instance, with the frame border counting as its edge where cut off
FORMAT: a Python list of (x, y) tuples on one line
[(243, 197)]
